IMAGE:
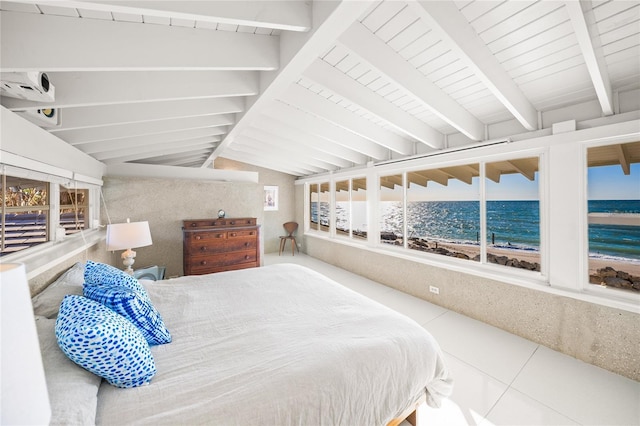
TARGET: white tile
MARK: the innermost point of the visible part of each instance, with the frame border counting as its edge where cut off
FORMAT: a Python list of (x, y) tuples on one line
[(516, 408), (491, 350), (474, 393), (583, 392)]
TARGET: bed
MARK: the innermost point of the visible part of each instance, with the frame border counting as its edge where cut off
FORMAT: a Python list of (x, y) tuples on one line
[(275, 345)]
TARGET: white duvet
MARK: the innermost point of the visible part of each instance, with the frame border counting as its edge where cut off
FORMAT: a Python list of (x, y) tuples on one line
[(278, 345)]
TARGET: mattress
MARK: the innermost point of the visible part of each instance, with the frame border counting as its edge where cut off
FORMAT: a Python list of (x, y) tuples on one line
[(278, 345)]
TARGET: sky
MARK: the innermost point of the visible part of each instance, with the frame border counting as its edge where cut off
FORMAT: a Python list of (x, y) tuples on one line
[(610, 183), (604, 183)]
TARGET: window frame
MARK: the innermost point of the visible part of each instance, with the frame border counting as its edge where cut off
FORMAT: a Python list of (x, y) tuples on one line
[(374, 172), (584, 285), (92, 216)]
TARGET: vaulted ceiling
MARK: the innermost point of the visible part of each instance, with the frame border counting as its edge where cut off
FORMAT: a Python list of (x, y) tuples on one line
[(306, 87)]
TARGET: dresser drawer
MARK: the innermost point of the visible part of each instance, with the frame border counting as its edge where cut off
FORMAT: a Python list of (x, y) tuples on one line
[(207, 264), (203, 223), (221, 246), (208, 236)]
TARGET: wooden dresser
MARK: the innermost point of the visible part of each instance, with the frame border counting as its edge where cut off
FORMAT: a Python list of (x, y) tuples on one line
[(215, 245)]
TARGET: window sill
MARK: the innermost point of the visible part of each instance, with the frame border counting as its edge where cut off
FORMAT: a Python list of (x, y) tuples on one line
[(45, 256), (530, 280)]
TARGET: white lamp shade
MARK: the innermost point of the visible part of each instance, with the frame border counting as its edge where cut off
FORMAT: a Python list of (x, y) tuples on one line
[(25, 400), (122, 236)]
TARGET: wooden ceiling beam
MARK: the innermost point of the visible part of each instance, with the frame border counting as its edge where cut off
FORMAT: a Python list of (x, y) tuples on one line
[(104, 115), (140, 47), (117, 131), (77, 89), (318, 127), (583, 22), (445, 18), (338, 82), (318, 105), (383, 58), (624, 159), (284, 128)]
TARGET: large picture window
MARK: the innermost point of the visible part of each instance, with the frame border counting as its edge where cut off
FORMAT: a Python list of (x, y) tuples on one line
[(324, 207), (613, 190), (319, 202), (351, 208), (513, 213), (443, 214), (392, 210)]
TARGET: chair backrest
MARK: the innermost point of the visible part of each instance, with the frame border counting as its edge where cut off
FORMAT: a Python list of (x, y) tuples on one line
[(290, 227)]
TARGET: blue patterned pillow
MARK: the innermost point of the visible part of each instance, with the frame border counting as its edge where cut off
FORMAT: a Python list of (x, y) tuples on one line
[(133, 307), (103, 342), (100, 274)]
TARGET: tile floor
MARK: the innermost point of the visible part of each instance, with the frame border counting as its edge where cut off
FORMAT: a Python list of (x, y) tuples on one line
[(500, 378)]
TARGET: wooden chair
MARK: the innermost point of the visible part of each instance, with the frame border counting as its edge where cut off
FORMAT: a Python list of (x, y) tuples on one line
[(290, 227)]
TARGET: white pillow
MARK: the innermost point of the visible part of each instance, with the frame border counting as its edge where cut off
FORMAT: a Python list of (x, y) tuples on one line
[(47, 302), (73, 391)]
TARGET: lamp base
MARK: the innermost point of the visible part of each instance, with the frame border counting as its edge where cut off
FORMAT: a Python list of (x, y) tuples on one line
[(128, 257)]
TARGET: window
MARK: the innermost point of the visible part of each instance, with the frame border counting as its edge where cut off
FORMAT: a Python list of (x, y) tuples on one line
[(343, 208), (513, 213), (313, 206), (443, 211), (351, 208), (73, 209), (319, 196), (392, 210), (487, 212), (359, 217), (613, 191), (25, 213), (324, 207)]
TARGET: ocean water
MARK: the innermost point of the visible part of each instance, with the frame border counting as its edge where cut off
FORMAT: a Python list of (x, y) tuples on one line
[(510, 224), (614, 241)]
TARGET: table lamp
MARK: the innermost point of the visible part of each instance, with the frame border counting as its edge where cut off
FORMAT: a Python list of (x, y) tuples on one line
[(25, 399), (125, 236)]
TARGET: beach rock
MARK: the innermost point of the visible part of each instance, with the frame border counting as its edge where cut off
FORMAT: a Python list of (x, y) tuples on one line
[(608, 276), (624, 275), (461, 256), (617, 282), (514, 263), (606, 272), (388, 236), (595, 279)]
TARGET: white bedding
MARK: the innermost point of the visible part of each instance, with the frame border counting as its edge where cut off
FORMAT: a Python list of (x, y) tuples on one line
[(278, 345)]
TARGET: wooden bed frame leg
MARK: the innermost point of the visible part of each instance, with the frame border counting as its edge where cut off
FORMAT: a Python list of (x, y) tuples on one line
[(413, 418), (410, 414)]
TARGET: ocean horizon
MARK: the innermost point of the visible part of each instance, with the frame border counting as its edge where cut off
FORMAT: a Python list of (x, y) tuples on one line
[(512, 225)]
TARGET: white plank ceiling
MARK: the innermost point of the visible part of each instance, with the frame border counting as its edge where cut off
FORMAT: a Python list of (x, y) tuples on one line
[(307, 87)]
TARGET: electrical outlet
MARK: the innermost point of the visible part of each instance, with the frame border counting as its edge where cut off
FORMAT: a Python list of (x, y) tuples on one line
[(434, 290)]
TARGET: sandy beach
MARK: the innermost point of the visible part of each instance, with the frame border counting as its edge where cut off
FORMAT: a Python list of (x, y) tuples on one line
[(632, 268)]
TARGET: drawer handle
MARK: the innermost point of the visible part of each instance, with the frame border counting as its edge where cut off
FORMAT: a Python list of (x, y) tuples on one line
[(193, 224), (252, 233), (203, 248), (204, 262), (233, 234), (198, 237), (247, 257), (246, 244), (220, 236), (233, 222)]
